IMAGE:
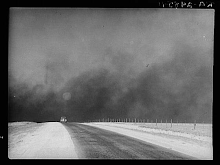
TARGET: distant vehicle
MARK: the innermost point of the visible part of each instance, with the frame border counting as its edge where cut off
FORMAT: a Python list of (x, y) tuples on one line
[(63, 119)]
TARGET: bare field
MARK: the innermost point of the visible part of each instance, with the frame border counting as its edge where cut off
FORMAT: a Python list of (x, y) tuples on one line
[(48, 140), (199, 130), (186, 128), (18, 130)]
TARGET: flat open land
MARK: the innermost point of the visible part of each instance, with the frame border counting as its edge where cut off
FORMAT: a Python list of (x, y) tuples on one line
[(107, 140)]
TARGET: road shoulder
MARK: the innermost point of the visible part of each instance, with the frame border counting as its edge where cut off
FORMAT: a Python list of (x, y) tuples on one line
[(47, 141)]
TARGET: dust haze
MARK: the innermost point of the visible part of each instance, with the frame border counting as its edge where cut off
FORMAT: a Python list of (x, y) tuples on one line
[(112, 63)]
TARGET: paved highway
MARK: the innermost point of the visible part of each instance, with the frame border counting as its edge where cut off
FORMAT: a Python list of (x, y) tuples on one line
[(92, 142)]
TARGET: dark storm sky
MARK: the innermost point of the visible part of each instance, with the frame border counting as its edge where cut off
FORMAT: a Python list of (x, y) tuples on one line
[(144, 63)]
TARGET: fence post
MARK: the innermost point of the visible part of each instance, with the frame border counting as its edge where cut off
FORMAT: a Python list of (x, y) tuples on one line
[(156, 122), (171, 123), (195, 124), (166, 123)]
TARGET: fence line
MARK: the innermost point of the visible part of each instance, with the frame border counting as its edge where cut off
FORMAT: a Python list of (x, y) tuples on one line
[(149, 121)]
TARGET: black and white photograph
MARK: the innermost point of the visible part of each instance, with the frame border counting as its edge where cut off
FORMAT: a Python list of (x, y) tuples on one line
[(110, 83)]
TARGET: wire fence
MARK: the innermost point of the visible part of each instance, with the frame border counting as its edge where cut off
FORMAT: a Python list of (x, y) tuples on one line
[(159, 123)]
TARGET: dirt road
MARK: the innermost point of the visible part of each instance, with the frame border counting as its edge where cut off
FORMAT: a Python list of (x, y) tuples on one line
[(93, 142)]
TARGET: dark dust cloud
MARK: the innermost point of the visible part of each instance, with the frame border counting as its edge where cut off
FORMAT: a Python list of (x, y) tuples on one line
[(89, 64)]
